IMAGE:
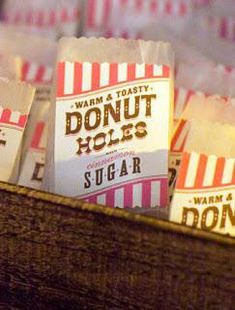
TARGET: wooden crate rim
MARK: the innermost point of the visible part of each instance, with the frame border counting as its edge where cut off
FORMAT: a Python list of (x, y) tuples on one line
[(118, 213)]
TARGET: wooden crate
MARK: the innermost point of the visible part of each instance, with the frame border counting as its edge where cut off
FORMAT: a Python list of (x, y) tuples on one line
[(59, 253)]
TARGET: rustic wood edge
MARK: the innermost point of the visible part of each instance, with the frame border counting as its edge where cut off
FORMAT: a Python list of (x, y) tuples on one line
[(118, 213)]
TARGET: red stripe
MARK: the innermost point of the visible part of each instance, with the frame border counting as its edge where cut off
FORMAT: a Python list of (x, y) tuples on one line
[(146, 192), (64, 15), (110, 198), (168, 7), (95, 83), (107, 12), (5, 117), (60, 79), (164, 196), (91, 10), (77, 78), (201, 171), (219, 169), (52, 18), (128, 196), (138, 4), (183, 9), (148, 71), (233, 178), (93, 199), (38, 133), (22, 121), (223, 28), (24, 72), (125, 34), (123, 3), (176, 93), (166, 72), (131, 70), (183, 171), (177, 134), (29, 18), (40, 17), (17, 18), (153, 6), (40, 74), (113, 75)]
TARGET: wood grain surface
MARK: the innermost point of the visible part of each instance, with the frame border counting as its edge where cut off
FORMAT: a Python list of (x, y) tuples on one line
[(59, 253)]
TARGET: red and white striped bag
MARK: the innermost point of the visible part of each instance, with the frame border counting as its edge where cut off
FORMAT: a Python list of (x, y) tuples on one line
[(204, 193), (126, 18), (220, 19), (111, 129), (192, 120), (15, 102), (34, 148), (208, 79), (54, 18)]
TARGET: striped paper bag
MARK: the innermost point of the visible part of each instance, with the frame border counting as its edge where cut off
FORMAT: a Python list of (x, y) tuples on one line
[(52, 19), (189, 106), (205, 193), (15, 102), (34, 147), (126, 19), (112, 122)]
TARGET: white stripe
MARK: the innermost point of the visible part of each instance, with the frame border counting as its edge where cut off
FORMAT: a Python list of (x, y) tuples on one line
[(101, 199), (155, 194), (180, 102), (192, 170), (182, 136), (1, 110), (157, 70), (31, 74), (47, 76), (140, 70), (119, 198), (161, 7), (137, 195), (146, 7), (175, 8), (210, 171), (15, 116), (86, 76), (99, 10), (228, 171), (104, 74), (69, 78), (122, 72)]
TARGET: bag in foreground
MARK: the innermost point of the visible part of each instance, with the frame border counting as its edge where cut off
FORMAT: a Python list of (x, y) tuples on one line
[(15, 102), (109, 140)]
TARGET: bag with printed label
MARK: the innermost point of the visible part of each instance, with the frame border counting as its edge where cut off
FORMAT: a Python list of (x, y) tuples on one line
[(194, 129), (111, 126), (205, 163), (35, 67), (204, 194), (15, 102), (52, 19), (35, 139)]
